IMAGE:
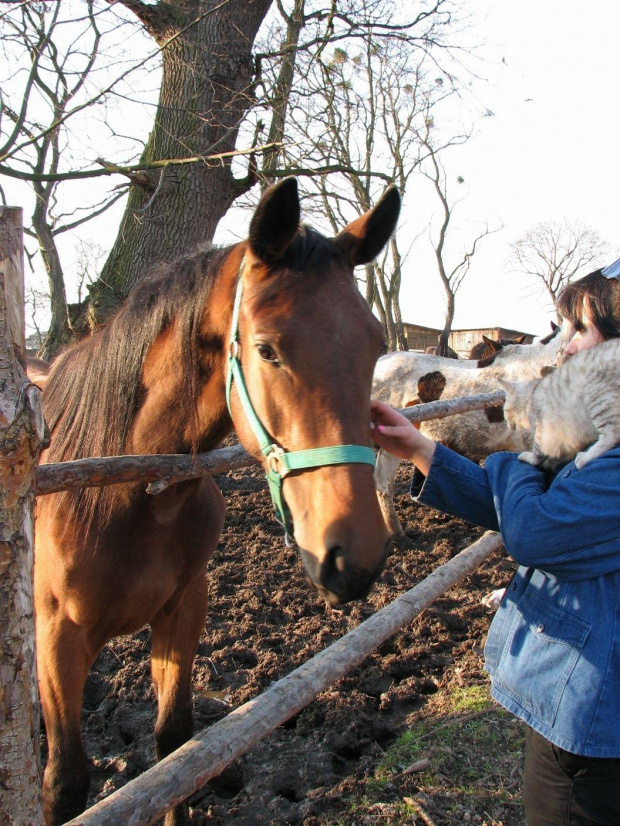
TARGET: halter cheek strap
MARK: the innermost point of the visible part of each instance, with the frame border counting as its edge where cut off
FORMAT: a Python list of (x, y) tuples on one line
[(280, 462)]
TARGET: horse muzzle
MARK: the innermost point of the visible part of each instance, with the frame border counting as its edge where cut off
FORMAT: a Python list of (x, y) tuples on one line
[(336, 579)]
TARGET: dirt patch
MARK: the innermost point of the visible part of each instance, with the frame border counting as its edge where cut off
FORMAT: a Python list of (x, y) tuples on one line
[(264, 621)]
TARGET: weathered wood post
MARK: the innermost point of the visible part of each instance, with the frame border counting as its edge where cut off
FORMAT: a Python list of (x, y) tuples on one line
[(21, 432)]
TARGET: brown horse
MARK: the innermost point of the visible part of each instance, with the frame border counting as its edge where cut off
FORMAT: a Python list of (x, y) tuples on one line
[(110, 560), (489, 346), (433, 350)]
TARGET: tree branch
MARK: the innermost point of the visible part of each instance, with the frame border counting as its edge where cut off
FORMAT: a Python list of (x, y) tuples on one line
[(129, 171), (59, 121)]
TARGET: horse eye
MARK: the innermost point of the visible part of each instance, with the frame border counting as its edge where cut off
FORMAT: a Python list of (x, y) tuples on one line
[(384, 349), (267, 353)]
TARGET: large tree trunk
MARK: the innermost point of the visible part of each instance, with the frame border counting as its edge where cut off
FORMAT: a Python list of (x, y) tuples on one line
[(206, 89)]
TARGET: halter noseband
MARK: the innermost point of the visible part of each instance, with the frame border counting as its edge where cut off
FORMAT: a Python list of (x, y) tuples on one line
[(280, 462)]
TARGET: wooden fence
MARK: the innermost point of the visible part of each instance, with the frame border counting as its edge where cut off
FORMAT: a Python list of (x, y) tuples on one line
[(172, 780)]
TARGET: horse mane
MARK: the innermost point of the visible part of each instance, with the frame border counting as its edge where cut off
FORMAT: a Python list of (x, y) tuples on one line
[(104, 370), (310, 251)]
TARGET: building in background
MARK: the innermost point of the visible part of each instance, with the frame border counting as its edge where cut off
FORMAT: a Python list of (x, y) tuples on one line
[(461, 341)]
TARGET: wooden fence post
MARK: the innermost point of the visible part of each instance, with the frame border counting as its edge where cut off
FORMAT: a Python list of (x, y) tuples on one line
[(21, 432)]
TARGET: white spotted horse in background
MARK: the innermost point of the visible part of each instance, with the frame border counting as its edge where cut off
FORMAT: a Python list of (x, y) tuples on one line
[(404, 379), (282, 315)]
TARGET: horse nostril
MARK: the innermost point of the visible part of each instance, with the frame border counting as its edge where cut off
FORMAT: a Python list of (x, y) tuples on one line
[(338, 579), (334, 577)]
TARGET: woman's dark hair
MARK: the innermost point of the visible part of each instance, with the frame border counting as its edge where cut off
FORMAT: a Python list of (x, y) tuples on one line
[(595, 296)]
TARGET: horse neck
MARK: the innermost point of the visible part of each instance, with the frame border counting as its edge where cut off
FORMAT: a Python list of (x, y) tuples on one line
[(166, 421)]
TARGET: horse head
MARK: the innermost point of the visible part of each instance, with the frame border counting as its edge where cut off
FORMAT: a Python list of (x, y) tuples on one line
[(308, 344)]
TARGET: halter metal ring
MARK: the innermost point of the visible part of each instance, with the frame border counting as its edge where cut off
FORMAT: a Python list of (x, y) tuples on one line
[(273, 460)]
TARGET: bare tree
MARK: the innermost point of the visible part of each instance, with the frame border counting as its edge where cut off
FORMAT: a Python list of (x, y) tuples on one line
[(55, 56), (209, 143), (209, 85), (353, 128), (556, 251), (36, 305), (203, 53), (360, 128), (451, 277)]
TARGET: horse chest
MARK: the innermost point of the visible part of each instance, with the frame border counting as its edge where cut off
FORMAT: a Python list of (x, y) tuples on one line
[(166, 513)]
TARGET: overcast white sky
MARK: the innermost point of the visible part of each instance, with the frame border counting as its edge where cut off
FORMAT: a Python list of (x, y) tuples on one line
[(549, 151)]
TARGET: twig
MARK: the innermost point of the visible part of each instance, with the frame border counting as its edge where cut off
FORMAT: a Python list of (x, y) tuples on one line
[(458, 720), (418, 766), (415, 804)]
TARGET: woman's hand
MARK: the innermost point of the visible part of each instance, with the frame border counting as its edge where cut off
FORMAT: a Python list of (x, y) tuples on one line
[(391, 431)]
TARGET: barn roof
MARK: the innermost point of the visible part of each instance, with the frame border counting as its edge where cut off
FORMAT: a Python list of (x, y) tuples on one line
[(502, 332)]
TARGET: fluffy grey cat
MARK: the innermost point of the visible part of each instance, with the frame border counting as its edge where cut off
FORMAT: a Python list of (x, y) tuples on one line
[(572, 412)]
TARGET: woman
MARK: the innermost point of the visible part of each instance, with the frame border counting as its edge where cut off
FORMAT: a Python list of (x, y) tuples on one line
[(553, 649)]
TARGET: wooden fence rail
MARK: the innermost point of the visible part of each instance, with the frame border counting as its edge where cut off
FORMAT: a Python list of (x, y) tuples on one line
[(147, 798), (161, 471)]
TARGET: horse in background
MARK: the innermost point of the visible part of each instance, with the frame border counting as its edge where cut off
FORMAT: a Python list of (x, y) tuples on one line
[(488, 346), (404, 379), (433, 350), (110, 560)]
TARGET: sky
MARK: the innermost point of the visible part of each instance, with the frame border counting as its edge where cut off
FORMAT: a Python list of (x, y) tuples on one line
[(547, 151)]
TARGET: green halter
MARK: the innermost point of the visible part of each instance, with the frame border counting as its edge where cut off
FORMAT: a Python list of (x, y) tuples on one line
[(279, 461)]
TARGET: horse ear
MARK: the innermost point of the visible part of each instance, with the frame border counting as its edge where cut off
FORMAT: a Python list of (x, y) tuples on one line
[(494, 345), (364, 238), (275, 221), (554, 326)]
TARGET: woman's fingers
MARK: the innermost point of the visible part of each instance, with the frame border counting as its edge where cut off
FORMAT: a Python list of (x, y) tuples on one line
[(382, 414)]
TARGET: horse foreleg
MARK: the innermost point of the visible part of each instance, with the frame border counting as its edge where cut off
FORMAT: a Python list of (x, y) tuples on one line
[(174, 641), (63, 663), (385, 478)]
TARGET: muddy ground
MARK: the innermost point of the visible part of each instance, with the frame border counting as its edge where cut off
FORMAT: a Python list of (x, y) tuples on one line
[(264, 621)]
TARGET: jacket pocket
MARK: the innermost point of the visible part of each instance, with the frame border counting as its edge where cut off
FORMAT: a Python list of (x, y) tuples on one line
[(541, 650)]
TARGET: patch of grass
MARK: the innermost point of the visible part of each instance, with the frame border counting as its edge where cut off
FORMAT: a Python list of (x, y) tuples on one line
[(468, 753), (470, 698), (406, 750)]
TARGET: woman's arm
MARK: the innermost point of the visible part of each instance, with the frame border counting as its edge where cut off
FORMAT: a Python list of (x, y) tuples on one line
[(569, 528), (453, 483)]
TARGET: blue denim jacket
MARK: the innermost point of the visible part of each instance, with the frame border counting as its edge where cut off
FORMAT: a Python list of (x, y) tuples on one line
[(553, 649)]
